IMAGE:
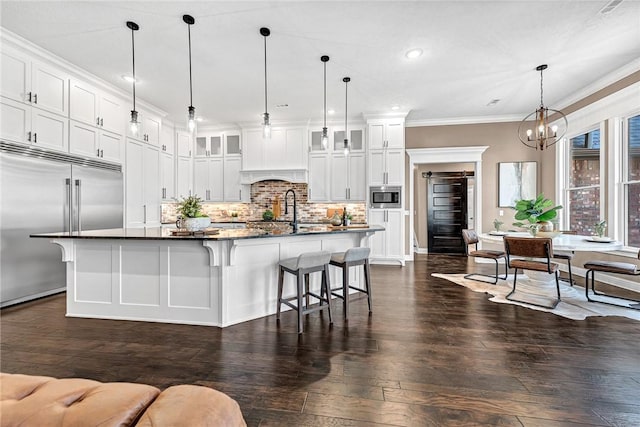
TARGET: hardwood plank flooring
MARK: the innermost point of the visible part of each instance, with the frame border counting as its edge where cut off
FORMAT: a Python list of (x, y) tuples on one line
[(432, 354)]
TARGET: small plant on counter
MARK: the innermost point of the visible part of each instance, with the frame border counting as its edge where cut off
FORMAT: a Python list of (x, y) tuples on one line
[(191, 207), (267, 215), (600, 227), (497, 224)]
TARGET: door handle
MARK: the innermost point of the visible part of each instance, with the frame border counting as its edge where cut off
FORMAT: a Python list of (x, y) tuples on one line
[(79, 203), (35, 98), (68, 220), (98, 152), (35, 137), (102, 121), (97, 121), (29, 136), (29, 97), (144, 208), (240, 194)]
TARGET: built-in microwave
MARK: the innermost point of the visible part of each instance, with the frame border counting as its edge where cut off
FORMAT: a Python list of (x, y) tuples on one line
[(385, 197)]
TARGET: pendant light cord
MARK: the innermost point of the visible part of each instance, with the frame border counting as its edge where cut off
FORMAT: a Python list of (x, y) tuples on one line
[(346, 84), (325, 94), (133, 52), (541, 102), (265, 74), (190, 80)]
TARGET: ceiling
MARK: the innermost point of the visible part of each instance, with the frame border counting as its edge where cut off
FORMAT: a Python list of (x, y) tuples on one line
[(474, 52)]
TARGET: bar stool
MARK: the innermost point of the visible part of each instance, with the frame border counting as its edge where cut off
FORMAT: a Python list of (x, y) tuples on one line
[(300, 267), (352, 257)]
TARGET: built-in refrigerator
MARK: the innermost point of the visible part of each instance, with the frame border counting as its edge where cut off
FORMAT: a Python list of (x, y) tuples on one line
[(41, 192)]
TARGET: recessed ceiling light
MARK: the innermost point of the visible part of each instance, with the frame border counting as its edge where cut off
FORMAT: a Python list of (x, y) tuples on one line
[(395, 108), (128, 78), (331, 111), (413, 53)]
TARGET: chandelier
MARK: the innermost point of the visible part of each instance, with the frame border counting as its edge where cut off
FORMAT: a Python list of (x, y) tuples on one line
[(542, 135)]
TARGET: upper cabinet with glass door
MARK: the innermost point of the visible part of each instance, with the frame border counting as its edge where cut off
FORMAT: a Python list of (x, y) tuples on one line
[(232, 144), (208, 146), (356, 140)]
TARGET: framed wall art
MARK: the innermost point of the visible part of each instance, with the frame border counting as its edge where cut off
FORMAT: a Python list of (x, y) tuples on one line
[(516, 180)]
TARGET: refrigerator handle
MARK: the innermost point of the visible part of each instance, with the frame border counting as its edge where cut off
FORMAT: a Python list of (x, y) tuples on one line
[(68, 219), (78, 204)]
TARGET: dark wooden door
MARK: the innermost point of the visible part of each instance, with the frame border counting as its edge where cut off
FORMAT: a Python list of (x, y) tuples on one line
[(446, 214)]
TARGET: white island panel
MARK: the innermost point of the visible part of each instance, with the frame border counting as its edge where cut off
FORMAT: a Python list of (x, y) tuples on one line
[(140, 274)]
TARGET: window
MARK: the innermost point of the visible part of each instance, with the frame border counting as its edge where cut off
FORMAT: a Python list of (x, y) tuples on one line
[(583, 187), (631, 181)]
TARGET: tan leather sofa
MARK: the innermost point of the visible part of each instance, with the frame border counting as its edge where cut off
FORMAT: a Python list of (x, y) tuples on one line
[(27, 400)]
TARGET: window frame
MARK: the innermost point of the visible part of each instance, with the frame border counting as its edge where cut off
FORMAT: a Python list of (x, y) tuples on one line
[(622, 178)]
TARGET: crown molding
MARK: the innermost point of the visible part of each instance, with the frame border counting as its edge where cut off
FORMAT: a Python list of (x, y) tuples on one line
[(464, 120), (13, 40), (371, 115), (601, 83)]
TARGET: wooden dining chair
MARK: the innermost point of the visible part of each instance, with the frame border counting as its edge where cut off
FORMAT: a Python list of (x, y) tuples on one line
[(626, 268), (540, 248), (470, 237)]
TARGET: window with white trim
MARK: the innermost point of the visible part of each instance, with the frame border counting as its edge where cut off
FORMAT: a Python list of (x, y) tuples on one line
[(631, 181), (582, 200)]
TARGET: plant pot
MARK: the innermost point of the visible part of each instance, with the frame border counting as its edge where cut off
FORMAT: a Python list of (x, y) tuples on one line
[(545, 226), (197, 224)]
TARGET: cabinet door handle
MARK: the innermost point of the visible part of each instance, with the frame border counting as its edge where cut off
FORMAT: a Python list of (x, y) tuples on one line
[(35, 137), (35, 98), (29, 97), (144, 208), (98, 152), (346, 193), (101, 152), (240, 194), (97, 121), (101, 121), (29, 136)]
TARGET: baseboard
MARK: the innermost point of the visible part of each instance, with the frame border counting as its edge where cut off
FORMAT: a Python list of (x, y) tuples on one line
[(422, 251)]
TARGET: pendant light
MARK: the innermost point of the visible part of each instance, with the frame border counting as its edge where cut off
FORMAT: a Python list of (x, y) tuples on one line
[(134, 114), (325, 135), (266, 124), (542, 136), (346, 81), (191, 111)]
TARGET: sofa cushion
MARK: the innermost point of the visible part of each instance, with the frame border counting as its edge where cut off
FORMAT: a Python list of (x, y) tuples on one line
[(43, 401), (192, 405)]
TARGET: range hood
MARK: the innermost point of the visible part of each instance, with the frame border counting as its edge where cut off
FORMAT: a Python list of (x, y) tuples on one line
[(291, 175)]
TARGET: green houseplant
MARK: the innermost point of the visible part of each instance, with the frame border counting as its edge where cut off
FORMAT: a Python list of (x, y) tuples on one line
[(193, 219), (535, 212)]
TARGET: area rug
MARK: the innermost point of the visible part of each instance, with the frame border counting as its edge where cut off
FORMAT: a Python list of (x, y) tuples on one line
[(574, 304)]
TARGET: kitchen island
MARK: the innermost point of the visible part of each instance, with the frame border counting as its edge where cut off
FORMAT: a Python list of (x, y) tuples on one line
[(219, 279)]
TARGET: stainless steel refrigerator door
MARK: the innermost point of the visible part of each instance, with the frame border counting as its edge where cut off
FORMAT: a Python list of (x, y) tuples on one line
[(97, 198), (33, 199)]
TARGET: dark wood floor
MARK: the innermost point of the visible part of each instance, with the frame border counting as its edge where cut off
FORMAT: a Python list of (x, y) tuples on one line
[(433, 353)]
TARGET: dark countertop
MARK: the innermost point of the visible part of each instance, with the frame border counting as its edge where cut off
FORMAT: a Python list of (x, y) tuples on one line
[(158, 233)]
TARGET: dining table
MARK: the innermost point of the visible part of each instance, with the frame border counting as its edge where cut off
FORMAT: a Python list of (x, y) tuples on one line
[(561, 242)]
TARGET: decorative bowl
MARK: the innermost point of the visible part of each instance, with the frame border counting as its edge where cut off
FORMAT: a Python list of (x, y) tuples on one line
[(197, 224)]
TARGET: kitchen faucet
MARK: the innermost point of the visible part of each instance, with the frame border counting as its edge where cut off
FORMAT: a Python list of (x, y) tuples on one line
[(294, 223)]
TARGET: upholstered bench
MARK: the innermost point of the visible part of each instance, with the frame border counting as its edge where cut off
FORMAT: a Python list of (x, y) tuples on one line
[(44, 401)]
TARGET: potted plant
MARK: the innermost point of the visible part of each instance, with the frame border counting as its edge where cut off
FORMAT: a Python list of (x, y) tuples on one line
[(497, 224), (537, 212), (193, 219), (349, 218), (268, 215), (600, 228)]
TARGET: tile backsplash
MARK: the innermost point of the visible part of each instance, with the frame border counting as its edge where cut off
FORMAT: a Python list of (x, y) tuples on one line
[(263, 196)]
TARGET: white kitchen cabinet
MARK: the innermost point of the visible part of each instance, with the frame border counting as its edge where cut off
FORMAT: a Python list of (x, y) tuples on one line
[(208, 179), (91, 141), (148, 130), (142, 177), (386, 167), (91, 106), (286, 150), (232, 144), (34, 83), (167, 139), (167, 176), (184, 144), (39, 128), (387, 246), (348, 178), (356, 140), (233, 190), (386, 134), (208, 146), (319, 169), (184, 177)]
